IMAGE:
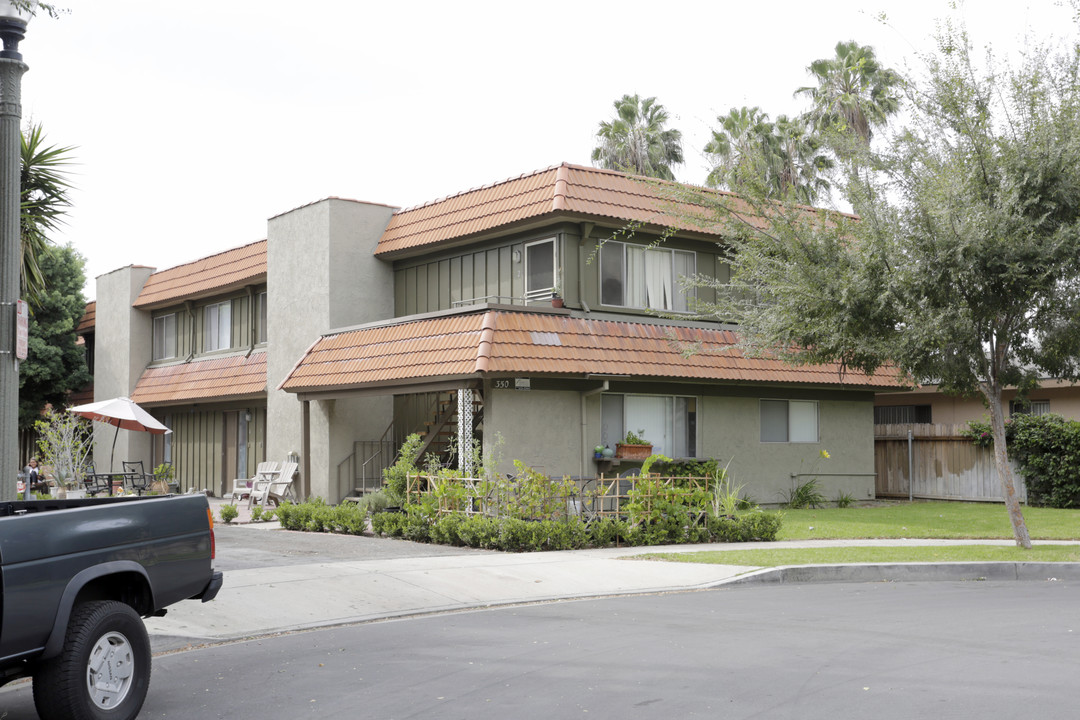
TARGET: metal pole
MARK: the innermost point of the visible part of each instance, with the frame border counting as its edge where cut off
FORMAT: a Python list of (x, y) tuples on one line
[(11, 72), (910, 464)]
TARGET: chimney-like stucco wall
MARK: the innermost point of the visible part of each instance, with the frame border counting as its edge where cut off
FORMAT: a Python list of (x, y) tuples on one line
[(322, 275), (123, 342)]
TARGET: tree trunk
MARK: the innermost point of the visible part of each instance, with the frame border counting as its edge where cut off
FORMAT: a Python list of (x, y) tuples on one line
[(1004, 471)]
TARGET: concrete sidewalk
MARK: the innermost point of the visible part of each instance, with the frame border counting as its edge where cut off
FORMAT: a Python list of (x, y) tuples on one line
[(267, 600)]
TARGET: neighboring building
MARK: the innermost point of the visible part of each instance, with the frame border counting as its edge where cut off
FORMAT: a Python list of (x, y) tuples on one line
[(189, 344), (355, 324), (84, 332), (927, 404)]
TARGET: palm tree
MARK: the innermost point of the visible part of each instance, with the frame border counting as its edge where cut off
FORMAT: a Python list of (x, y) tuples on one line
[(43, 202), (636, 141), (741, 148), (782, 160), (853, 91), (803, 162)]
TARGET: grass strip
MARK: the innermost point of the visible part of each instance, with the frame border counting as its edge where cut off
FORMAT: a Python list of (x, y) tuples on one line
[(952, 520), (772, 557)]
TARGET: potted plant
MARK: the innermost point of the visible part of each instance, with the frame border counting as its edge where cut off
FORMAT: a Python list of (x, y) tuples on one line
[(633, 446), (556, 297)]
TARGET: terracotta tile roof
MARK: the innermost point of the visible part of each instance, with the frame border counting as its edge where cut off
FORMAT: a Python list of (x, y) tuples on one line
[(217, 273), (89, 318), (567, 189), (499, 342), (213, 379)]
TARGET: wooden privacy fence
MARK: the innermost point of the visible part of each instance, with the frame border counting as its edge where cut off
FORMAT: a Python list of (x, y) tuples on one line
[(944, 465)]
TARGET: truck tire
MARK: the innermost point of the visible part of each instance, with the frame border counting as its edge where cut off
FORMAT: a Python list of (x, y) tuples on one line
[(103, 671)]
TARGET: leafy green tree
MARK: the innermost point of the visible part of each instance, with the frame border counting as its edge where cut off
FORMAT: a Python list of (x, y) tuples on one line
[(55, 364), (636, 141), (785, 158), (853, 92), (963, 265), (44, 202)]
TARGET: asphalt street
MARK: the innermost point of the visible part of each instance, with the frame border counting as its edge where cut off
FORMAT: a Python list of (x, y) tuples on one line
[(888, 651)]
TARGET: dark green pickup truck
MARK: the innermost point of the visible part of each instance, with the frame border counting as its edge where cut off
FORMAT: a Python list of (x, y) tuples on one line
[(77, 578)]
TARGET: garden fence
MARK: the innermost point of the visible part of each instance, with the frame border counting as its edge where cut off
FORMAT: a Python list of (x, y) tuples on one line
[(944, 465), (551, 499)]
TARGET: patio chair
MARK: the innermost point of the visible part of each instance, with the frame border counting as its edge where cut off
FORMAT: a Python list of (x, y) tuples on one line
[(274, 489), (265, 471), (139, 479), (96, 483)]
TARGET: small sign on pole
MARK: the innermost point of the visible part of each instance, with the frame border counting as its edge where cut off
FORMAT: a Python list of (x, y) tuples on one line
[(22, 329)]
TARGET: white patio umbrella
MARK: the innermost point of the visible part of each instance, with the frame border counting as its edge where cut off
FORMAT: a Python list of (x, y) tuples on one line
[(124, 414)]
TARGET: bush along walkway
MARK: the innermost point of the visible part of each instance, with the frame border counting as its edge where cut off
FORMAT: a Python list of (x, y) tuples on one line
[(530, 512)]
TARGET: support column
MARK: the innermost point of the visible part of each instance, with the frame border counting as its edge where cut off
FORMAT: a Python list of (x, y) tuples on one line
[(464, 427)]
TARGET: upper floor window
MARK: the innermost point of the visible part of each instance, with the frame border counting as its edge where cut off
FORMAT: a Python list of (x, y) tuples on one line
[(902, 414), (218, 327), (789, 421), (165, 337), (260, 318), (540, 268), (1029, 407), (668, 422), (641, 277)]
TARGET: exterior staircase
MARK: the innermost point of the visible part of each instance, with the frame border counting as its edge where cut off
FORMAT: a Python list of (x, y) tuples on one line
[(361, 472)]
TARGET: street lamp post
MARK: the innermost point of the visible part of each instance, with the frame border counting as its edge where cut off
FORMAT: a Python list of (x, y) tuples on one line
[(13, 20)]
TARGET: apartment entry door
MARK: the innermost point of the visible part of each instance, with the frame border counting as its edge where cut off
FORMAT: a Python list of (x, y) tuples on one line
[(233, 449)]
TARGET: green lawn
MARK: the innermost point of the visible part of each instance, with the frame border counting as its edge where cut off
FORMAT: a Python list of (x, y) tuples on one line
[(946, 520), (927, 520), (769, 557)]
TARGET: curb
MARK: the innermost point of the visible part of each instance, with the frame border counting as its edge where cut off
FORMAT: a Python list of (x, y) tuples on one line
[(910, 572)]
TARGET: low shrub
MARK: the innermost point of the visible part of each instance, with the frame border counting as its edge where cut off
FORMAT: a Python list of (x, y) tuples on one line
[(228, 513), (747, 527), (479, 532), (388, 524), (447, 529), (350, 518), (806, 495)]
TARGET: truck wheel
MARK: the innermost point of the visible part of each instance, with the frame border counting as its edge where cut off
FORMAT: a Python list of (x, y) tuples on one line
[(103, 672)]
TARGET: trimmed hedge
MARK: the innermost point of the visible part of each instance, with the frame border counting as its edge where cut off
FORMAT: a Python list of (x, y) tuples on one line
[(516, 535)]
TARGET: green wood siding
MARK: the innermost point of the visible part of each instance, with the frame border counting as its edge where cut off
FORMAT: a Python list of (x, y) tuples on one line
[(490, 273), (197, 445)]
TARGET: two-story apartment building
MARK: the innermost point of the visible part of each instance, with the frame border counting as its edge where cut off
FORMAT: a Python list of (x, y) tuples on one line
[(366, 322), (188, 343)]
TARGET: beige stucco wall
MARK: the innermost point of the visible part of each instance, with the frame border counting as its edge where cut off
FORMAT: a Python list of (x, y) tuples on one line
[(1064, 400), (123, 337), (322, 275)]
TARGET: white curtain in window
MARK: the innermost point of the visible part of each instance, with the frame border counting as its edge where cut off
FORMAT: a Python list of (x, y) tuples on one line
[(225, 325), (658, 279), (680, 435), (212, 327), (685, 267), (635, 277), (653, 415), (802, 421)]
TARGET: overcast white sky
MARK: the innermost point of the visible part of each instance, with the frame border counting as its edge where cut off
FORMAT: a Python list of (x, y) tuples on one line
[(195, 122)]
